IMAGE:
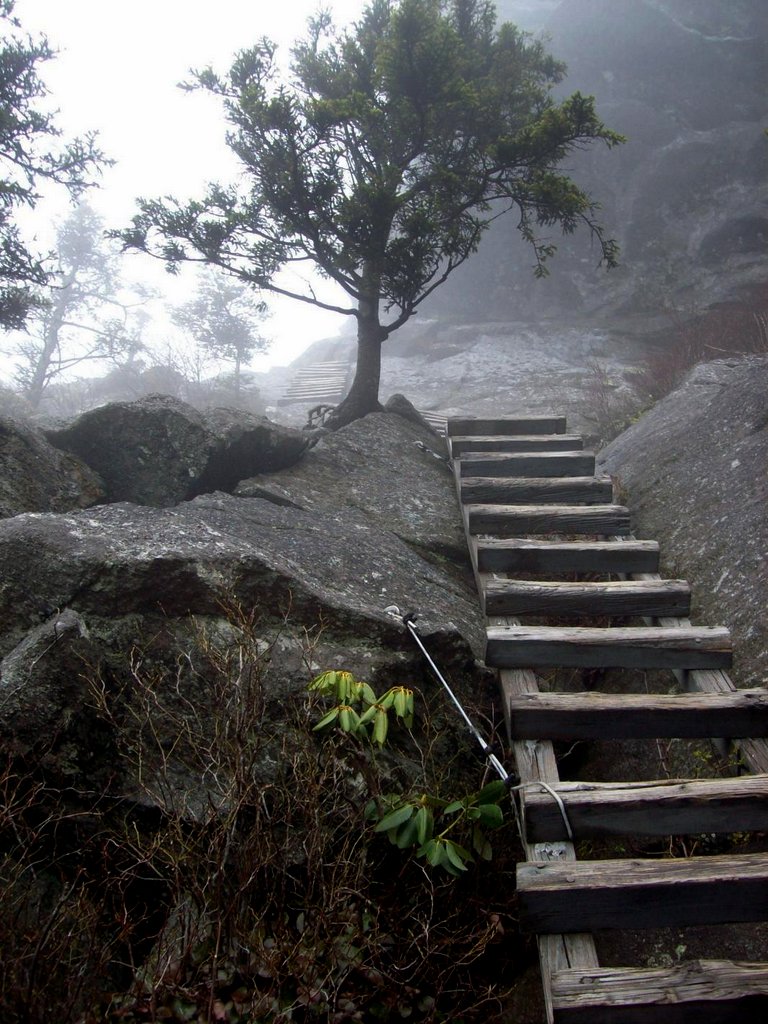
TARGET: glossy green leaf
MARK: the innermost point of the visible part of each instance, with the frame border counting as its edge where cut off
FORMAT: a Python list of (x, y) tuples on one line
[(457, 855), (492, 793), (367, 694), (349, 720), (344, 684), (369, 714), (395, 818), (491, 815), (371, 810), (407, 834), (452, 808), (434, 851), (424, 824), (324, 683), (380, 726), (401, 705), (480, 844), (327, 719)]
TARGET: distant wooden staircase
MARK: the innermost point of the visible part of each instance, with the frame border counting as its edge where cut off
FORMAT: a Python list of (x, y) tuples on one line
[(533, 508)]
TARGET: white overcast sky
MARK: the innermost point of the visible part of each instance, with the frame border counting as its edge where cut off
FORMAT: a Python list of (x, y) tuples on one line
[(117, 71)]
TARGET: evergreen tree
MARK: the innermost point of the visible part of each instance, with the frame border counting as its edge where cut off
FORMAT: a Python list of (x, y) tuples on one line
[(31, 154), (381, 159)]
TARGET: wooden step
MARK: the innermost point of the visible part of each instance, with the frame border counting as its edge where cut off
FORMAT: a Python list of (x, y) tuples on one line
[(590, 895), (571, 490), (477, 426), (523, 597), (595, 716), (691, 647), (674, 807), (538, 464), (517, 443), (517, 520), (696, 992), (548, 557)]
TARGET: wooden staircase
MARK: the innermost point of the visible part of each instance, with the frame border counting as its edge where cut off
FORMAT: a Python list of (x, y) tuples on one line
[(533, 508)]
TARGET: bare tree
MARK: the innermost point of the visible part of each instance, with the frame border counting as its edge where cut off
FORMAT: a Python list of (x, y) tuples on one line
[(223, 318), (83, 319)]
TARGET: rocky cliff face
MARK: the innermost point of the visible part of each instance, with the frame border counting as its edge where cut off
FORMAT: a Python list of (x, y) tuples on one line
[(694, 472), (686, 196)]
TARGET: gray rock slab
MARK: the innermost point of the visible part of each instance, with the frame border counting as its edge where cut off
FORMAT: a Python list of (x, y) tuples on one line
[(245, 445), (313, 567), (37, 477), (151, 451), (375, 468), (696, 471), (160, 451)]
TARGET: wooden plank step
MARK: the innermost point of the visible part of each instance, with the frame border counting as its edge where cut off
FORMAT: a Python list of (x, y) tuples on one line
[(691, 647), (571, 490), (549, 557), (501, 464), (669, 807), (594, 715), (517, 520), (696, 992), (478, 426), (591, 895), (517, 443), (524, 597)]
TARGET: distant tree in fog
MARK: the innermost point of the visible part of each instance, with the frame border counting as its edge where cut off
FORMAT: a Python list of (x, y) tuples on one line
[(380, 159), (31, 155), (223, 318), (81, 318)]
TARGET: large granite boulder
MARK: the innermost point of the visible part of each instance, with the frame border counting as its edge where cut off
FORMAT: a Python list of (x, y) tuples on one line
[(151, 451), (696, 471), (159, 450), (36, 477), (126, 560), (406, 489), (246, 445), (92, 603)]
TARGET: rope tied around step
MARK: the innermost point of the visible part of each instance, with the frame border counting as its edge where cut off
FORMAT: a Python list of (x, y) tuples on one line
[(555, 796), (408, 619)]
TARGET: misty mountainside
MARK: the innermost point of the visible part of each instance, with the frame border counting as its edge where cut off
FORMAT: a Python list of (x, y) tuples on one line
[(686, 196), (489, 367), (148, 644)]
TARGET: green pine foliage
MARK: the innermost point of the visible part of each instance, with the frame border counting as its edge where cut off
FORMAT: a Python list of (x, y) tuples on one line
[(32, 154), (381, 159)]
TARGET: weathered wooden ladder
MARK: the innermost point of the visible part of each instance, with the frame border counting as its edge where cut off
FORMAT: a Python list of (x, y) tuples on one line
[(527, 489)]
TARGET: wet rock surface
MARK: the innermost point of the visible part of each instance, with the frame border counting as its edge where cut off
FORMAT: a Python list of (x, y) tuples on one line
[(93, 601), (404, 489), (37, 477), (123, 559), (150, 451), (159, 450), (694, 472)]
